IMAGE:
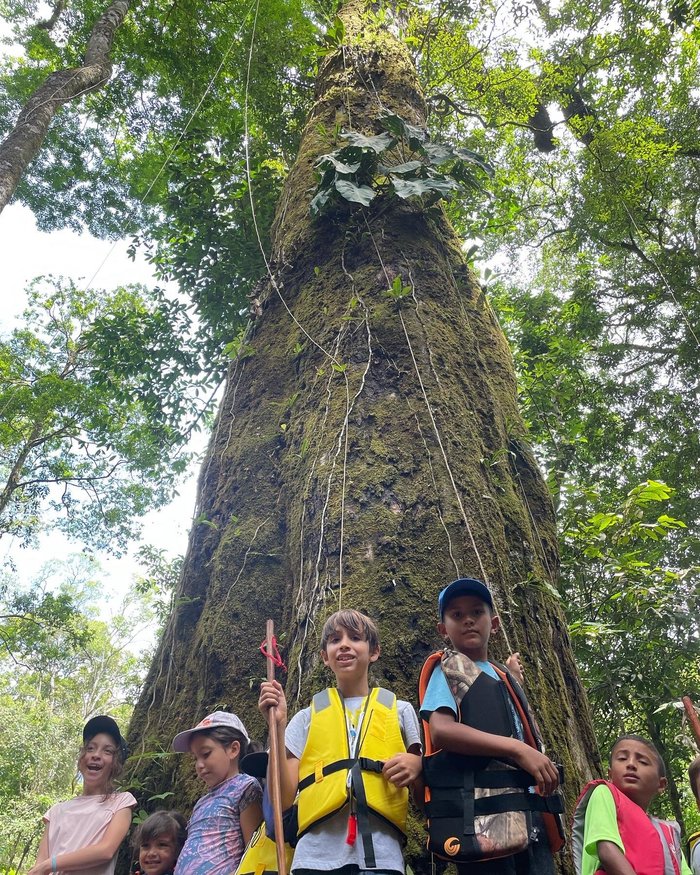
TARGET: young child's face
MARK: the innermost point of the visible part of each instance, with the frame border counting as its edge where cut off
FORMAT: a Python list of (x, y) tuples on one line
[(634, 770), (468, 623), (348, 654), (214, 761), (96, 763), (158, 855)]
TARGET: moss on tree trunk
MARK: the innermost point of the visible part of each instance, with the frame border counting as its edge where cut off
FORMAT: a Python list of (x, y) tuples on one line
[(366, 452)]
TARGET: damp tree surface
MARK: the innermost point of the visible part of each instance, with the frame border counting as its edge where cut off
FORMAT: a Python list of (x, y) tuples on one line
[(368, 447), (373, 442)]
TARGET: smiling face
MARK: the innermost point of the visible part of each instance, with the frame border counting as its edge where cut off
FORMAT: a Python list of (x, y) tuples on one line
[(634, 770), (158, 854), (348, 655), (468, 623), (97, 763), (215, 762)]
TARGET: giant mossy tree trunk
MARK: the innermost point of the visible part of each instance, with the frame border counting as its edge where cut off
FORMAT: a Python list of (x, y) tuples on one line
[(366, 452)]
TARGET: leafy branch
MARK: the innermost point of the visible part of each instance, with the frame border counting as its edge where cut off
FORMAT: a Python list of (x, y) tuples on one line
[(401, 162)]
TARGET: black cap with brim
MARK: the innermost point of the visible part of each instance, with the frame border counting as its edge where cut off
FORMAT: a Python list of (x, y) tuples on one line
[(255, 764), (103, 723), (464, 586)]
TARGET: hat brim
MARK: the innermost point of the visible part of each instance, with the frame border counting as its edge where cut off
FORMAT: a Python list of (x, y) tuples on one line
[(464, 586), (102, 723), (255, 764)]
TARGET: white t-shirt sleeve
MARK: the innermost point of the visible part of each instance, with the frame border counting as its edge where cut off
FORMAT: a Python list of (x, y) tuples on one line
[(410, 729), (297, 732)]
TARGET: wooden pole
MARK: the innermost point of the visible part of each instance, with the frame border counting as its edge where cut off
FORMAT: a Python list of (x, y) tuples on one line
[(274, 770), (692, 718)]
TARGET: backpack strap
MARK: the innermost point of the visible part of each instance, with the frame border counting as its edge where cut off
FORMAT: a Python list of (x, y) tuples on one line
[(551, 815), (426, 672), (669, 833)]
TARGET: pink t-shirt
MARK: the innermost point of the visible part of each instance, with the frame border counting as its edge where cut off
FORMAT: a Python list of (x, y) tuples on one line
[(83, 821)]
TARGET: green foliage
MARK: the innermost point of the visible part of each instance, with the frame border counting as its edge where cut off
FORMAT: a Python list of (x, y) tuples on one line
[(98, 396), (159, 583), (633, 616), (401, 161), (57, 668), (588, 113)]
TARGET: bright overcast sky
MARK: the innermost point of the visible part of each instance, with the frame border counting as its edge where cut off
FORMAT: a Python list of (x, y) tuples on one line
[(24, 254)]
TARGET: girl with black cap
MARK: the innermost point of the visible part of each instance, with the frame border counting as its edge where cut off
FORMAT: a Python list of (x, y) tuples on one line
[(84, 833)]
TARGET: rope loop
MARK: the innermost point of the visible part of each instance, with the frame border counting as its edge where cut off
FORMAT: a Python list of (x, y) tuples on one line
[(275, 656)]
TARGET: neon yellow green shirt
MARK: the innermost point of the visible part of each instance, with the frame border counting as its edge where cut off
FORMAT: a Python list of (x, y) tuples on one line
[(601, 826)]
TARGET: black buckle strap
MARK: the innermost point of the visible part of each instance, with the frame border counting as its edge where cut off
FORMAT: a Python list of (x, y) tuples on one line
[(451, 808), (468, 802), (362, 814), (366, 765), (518, 802)]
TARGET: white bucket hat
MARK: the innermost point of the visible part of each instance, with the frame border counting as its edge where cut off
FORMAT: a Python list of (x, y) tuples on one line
[(181, 742)]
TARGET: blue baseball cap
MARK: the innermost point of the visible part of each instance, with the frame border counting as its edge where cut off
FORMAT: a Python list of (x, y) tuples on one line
[(464, 586)]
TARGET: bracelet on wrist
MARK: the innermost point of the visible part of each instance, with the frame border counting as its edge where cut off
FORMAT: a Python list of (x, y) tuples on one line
[(54, 865)]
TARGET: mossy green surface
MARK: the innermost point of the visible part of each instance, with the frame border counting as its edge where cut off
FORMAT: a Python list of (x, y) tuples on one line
[(369, 452)]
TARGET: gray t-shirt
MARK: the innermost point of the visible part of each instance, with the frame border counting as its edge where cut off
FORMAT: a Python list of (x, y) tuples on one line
[(323, 846)]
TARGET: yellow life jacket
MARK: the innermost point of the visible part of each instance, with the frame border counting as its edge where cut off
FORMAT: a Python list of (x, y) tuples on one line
[(330, 775), (693, 843), (260, 855)]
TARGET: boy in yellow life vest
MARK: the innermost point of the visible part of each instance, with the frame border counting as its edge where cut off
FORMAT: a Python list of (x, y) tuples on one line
[(694, 839), (348, 759)]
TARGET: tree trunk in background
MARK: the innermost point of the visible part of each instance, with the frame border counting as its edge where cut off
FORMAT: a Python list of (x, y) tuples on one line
[(23, 142), (365, 454)]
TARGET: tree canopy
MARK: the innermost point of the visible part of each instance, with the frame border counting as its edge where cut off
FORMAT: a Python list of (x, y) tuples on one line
[(60, 663), (99, 397), (585, 235)]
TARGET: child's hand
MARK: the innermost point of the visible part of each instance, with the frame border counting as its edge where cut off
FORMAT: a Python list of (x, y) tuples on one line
[(272, 696), (403, 769), (515, 667), (540, 767)]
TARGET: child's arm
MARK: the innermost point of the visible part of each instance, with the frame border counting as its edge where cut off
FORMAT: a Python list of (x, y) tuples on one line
[(272, 695), (251, 818), (404, 769), (91, 855), (515, 667), (613, 860), (43, 853), (447, 734)]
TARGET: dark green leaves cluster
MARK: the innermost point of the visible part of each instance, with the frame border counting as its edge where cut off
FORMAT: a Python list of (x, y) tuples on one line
[(99, 394), (633, 617), (401, 161), (59, 664)]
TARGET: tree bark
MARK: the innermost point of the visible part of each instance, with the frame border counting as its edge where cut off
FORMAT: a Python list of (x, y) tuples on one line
[(366, 453), (24, 141)]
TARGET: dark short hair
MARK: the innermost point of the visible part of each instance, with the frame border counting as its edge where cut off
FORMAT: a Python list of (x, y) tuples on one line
[(161, 823), (353, 621), (225, 735), (694, 776), (648, 744)]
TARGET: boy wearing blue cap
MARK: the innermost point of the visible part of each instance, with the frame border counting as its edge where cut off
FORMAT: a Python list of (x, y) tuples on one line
[(489, 787)]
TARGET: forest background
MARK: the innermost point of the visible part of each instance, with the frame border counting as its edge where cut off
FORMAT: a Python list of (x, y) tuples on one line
[(569, 168)]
